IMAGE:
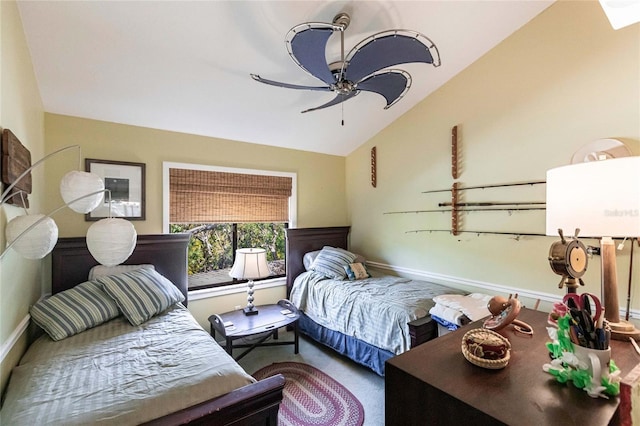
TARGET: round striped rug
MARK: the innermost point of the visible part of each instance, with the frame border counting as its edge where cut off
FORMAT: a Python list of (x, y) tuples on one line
[(312, 398)]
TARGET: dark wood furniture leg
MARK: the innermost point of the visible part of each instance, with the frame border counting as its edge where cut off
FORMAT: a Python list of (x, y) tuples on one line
[(422, 330)]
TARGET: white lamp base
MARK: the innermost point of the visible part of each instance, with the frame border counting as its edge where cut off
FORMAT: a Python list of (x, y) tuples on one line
[(250, 309)]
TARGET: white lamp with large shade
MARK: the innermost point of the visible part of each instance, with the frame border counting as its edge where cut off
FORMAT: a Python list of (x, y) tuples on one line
[(602, 199), (75, 184), (111, 241), (42, 235), (250, 264)]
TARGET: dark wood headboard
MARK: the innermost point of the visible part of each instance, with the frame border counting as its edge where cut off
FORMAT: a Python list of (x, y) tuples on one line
[(71, 260), (304, 240)]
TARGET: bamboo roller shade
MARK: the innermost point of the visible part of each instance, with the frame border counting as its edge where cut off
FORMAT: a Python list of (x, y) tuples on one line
[(199, 196)]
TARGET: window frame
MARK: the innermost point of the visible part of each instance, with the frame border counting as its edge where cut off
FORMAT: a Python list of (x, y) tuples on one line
[(167, 165)]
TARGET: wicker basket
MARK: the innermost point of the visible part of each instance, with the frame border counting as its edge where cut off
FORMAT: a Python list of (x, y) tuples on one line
[(481, 334)]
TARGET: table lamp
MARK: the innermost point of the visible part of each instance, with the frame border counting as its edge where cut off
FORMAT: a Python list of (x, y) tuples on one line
[(250, 263), (602, 200)]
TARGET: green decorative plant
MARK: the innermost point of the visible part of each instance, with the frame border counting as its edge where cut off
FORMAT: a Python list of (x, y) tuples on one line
[(565, 365)]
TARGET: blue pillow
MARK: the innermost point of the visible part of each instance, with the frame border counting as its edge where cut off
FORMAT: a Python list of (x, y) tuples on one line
[(73, 311), (331, 261), (357, 271)]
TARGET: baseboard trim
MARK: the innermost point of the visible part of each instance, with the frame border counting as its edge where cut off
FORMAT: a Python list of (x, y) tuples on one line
[(485, 287), (14, 337)]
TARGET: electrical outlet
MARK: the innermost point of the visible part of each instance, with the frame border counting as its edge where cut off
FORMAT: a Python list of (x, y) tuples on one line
[(238, 307)]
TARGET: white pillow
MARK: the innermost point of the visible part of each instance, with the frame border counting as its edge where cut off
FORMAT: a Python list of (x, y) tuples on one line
[(308, 258), (101, 270)]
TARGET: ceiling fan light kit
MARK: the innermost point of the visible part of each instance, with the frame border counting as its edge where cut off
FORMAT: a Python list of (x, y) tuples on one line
[(367, 66)]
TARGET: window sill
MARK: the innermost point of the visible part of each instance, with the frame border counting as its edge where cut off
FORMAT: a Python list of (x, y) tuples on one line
[(234, 289)]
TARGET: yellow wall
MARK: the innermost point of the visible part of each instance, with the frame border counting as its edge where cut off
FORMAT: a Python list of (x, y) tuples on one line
[(21, 111), (320, 178), (563, 80)]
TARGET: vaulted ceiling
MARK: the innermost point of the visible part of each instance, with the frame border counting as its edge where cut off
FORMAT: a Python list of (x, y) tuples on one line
[(185, 66)]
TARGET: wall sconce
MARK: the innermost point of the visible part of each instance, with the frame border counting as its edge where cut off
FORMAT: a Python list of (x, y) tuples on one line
[(602, 200), (110, 241)]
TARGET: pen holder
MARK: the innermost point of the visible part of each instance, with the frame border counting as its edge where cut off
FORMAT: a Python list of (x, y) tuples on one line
[(596, 361), (591, 370)]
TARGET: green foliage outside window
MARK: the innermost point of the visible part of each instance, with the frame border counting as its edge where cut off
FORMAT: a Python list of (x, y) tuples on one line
[(211, 245)]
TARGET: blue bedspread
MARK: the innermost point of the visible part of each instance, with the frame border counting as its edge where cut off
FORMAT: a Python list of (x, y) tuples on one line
[(374, 310)]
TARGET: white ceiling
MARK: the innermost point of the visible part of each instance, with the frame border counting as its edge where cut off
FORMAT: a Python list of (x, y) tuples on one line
[(184, 65)]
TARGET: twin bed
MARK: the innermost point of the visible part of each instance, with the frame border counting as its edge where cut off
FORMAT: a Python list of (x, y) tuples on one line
[(163, 368), (166, 370), (368, 319)]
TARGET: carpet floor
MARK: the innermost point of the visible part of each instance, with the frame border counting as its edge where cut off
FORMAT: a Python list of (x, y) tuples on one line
[(366, 385)]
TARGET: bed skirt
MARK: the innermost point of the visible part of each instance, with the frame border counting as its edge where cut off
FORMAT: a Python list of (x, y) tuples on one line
[(355, 349)]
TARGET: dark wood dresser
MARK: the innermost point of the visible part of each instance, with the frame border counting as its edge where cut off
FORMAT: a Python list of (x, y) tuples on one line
[(433, 384)]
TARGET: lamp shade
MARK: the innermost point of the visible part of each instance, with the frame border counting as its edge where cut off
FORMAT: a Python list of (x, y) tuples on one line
[(251, 263), (36, 243), (602, 198), (621, 12), (111, 241), (76, 184)]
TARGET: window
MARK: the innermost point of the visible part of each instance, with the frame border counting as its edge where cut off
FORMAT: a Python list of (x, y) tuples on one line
[(225, 209)]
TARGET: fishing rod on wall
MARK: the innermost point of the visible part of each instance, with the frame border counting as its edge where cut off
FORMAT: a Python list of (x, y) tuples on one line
[(500, 209), (499, 185), (457, 207), (478, 233)]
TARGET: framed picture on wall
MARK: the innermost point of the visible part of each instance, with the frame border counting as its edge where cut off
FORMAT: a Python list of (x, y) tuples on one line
[(126, 182)]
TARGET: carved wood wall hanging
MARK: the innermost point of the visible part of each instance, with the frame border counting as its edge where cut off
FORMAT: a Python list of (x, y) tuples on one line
[(16, 159), (374, 168), (454, 152)]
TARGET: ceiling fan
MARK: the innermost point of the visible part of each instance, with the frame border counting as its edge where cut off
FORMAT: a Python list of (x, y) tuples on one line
[(366, 67)]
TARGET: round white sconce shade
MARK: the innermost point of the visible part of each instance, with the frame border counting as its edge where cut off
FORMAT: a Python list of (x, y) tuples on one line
[(36, 243), (111, 241), (76, 184)]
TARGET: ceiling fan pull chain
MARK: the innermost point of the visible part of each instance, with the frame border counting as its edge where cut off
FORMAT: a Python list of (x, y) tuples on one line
[(342, 105)]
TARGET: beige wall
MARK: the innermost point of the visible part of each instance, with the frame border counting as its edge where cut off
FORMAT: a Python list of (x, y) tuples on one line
[(21, 111), (564, 80), (320, 178)]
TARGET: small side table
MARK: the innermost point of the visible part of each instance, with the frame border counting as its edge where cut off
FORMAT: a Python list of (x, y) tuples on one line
[(235, 325)]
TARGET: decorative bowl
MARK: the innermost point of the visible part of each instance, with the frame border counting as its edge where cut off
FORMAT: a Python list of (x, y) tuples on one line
[(486, 348)]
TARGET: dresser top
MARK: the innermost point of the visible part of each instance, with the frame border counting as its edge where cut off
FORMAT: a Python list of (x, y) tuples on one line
[(520, 391)]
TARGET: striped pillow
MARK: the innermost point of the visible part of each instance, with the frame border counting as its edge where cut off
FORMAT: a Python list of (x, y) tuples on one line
[(331, 261), (102, 270), (73, 311), (141, 294)]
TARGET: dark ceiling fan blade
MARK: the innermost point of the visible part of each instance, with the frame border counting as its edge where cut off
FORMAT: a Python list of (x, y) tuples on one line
[(387, 49), (289, 86), (337, 100), (391, 84), (307, 45)]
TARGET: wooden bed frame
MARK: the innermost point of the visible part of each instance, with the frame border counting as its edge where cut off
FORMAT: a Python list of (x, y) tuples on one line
[(304, 240), (255, 404)]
